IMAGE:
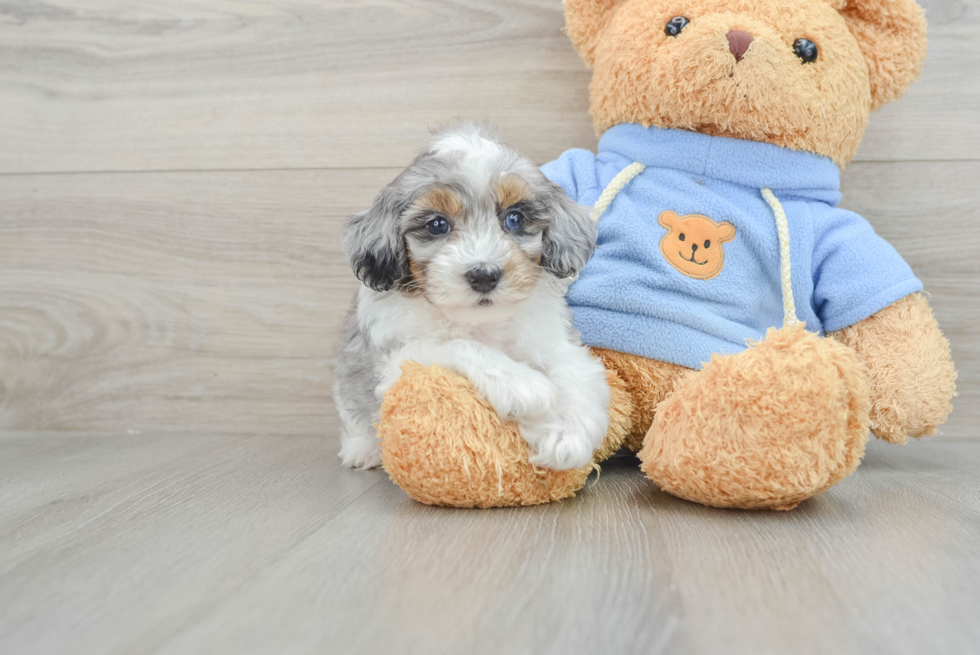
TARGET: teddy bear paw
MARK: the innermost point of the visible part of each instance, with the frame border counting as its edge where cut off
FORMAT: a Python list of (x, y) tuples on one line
[(764, 428)]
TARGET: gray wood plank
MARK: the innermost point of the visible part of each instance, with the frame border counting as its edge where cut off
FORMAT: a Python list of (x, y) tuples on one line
[(264, 544), (190, 85), (185, 301), (209, 301), (880, 564), (95, 550)]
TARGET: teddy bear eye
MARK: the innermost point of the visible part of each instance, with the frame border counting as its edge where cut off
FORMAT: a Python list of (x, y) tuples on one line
[(675, 25), (681, 236), (806, 50), (707, 243)]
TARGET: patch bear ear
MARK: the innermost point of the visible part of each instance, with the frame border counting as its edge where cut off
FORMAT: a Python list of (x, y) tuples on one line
[(725, 231), (585, 22), (892, 37), (668, 219)]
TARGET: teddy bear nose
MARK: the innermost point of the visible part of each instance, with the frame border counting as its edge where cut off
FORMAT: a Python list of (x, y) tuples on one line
[(738, 43)]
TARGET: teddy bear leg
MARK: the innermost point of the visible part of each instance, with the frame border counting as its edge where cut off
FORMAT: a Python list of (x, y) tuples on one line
[(444, 445), (909, 366), (648, 381), (765, 428)]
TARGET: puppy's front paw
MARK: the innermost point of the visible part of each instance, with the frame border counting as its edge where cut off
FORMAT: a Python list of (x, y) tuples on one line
[(389, 376), (519, 396), (360, 452), (557, 443)]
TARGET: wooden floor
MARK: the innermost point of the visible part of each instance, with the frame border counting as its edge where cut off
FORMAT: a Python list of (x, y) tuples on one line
[(197, 543), (173, 178)]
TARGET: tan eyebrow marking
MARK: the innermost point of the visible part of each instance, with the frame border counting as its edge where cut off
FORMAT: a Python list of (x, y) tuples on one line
[(442, 200), (510, 190)]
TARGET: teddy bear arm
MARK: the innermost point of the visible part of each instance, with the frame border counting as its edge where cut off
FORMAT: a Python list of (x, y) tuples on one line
[(444, 445), (909, 366)]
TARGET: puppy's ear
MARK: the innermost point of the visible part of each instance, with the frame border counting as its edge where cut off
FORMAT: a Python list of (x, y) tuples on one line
[(374, 242), (892, 37), (569, 238), (585, 22)]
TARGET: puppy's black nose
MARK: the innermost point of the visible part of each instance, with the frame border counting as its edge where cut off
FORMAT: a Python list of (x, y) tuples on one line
[(483, 280), (694, 248)]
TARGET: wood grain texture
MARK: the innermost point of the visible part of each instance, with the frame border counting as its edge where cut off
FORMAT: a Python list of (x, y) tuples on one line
[(243, 544), (210, 301), (190, 85), (173, 301)]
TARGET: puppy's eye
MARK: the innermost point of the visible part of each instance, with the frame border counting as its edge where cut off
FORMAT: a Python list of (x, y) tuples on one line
[(681, 236), (437, 226), (675, 25), (514, 220), (707, 243), (806, 50)]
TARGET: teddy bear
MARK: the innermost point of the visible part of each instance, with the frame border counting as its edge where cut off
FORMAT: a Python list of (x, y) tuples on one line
[(753, 332)]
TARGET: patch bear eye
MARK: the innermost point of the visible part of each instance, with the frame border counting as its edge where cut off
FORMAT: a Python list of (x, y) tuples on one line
[(707, 243), (514, 220), (806, 50), (437, 226), (675, 25), (681, 236)]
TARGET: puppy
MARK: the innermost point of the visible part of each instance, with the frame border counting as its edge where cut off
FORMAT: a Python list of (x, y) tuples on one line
[(464, 259)]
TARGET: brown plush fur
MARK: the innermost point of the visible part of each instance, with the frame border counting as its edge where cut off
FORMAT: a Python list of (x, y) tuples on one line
[(764, 428), (868, 54), (909, 366), (444, 445), (647, 381)]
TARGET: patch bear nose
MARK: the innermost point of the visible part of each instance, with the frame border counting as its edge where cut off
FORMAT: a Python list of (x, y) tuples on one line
[(738, 43), (483, 279)]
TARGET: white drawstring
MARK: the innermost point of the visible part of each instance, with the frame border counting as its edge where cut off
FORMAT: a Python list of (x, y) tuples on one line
[(782, 229), (615, 185), (626, 175)]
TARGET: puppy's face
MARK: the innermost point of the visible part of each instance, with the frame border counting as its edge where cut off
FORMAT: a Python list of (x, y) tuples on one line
[(476, 248), (470, 226)]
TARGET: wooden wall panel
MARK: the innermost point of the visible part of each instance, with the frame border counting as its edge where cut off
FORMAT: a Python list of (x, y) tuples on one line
[(190, 85)]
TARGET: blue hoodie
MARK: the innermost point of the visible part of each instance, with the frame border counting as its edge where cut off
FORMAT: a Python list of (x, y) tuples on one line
[(636, 295)]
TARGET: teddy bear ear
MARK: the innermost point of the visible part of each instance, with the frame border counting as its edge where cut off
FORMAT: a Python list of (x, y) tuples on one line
[(726, 231), (585, 21), (892, 37)]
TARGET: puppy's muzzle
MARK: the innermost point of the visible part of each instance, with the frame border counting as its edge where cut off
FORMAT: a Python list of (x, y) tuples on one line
[(483, 279)]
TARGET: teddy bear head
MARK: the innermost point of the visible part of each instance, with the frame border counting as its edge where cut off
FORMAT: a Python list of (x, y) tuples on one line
[(803, 74)]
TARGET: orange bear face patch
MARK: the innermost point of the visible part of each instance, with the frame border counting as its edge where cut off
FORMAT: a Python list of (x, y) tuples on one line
[(694, 244)]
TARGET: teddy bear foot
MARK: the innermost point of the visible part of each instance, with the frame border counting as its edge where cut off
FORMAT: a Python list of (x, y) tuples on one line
[(443, 445), (763, 429)]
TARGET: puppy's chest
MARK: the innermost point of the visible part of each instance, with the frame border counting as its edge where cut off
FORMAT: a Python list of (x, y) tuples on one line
[(501, 337)]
